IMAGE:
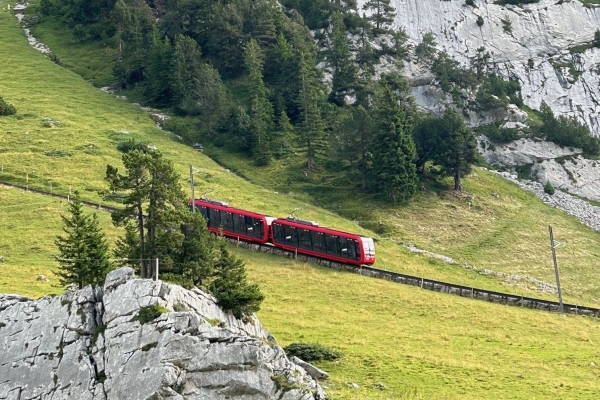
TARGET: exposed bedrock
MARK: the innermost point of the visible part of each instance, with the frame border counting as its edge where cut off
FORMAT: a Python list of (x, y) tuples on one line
[(92, 344)]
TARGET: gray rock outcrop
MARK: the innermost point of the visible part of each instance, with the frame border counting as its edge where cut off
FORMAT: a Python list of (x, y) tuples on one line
[(548, 48), (93, 344)]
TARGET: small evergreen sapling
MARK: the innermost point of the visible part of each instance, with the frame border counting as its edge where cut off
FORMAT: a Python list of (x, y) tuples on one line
[(84, 255), (548, 188)]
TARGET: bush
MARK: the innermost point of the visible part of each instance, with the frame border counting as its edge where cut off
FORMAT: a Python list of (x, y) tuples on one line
[(131, 145), (470, 3), (150, 313), (6, 108), (312, 352), (480, 21), (548, 188)]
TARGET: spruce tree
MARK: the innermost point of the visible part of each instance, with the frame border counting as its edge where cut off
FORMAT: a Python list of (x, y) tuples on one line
[(84, 255), (458, 147), (231, 288), (394, 153), (340, 58), (312, 127), (197, 253), (261, 110), (382, 15), (157, 86)]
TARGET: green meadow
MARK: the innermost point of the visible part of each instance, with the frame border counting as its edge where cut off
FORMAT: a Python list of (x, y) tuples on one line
[(398, 341)]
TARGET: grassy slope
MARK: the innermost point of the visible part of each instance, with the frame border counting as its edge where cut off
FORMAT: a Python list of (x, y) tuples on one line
[(418, 344), (29, 224), (495, 226), (424, 345)]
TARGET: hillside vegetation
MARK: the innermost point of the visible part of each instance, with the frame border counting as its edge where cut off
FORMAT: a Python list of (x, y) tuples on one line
[(416, 344)]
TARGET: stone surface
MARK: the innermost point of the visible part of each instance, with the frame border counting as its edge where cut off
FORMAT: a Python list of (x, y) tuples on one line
[(542, 32), (310, 369), (88, 344)]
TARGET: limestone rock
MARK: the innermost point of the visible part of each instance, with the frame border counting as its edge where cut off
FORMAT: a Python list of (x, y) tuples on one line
[(89, 344), (310, 369)]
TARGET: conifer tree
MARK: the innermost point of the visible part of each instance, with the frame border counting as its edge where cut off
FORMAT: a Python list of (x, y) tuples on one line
[(261, 110), (382, 15), (84, 255), (458, 149), (394, 152), (197, 254), (197, 86), (157, 87), (340, 59), (231, 288)]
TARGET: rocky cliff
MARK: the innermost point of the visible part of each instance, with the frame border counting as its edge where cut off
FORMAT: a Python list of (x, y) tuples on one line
[(547, 48), (126, 341)]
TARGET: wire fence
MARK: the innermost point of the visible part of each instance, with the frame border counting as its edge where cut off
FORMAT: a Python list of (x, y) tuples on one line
[(37, 182)]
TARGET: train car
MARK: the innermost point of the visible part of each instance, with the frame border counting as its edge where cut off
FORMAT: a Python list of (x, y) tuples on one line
[(233, 222), (308, 238)]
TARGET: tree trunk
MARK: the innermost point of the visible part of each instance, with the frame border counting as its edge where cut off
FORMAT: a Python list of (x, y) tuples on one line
[(457, 185), (142, 243)]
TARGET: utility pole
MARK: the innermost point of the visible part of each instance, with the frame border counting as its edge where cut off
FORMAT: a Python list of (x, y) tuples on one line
[(192, 172), (553, 246)]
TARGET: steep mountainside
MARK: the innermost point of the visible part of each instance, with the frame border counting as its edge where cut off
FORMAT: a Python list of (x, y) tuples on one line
[(555, 35)]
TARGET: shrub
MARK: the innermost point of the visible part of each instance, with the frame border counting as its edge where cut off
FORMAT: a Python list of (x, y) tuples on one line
[(150, 313), (6, 108), (480, 21), (131, 145), (548, 188), (470, 3), (312, 352)]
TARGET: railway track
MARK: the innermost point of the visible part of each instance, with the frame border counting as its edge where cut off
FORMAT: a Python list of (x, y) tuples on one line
[(423, 283)]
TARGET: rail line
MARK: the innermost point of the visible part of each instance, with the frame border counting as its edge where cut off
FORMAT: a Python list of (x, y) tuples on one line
[(423, 283)]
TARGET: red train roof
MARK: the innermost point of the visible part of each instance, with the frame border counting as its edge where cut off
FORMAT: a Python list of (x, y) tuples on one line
[(200, 202), (282, 221)]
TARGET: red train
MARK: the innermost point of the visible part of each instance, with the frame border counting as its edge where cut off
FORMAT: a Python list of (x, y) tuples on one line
[(305, 237)]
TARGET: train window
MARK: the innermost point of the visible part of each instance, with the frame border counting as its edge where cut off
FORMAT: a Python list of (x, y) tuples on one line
[(227, 221), (332, 245), (278, 233), (345, 247), (254, 227), (214, 218), (353, 250), (291, 237), (203, 211), (304, 239), (239, 224), (318, 241)]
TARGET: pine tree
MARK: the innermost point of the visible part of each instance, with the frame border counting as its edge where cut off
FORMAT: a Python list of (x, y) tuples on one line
[(382, 15), (157, 86), (127, 248), (83, 251), (196, 256), (394, 151), (458, 149), (261, 110), (231, 288), (340, 58), (197, 86), (312, 131)]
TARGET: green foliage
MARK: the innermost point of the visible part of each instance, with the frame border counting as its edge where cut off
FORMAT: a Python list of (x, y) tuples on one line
[(506, 24), (596, 42), (393, 150), (382, 15), (340, 58), (131, 145), (567, 131), (498, 135), (516, 2), (426, 49), (83, 250), (495, 92), (479, 21), (6, 108), (179, 307), (470, 3), (230, 286), (311, 352), (150, 313), (548, 188)]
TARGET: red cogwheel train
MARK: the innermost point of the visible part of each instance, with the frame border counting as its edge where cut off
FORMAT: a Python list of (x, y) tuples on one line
[(292, 234)]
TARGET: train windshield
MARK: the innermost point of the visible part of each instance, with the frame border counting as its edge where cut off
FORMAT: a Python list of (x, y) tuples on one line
[(368, 246)]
